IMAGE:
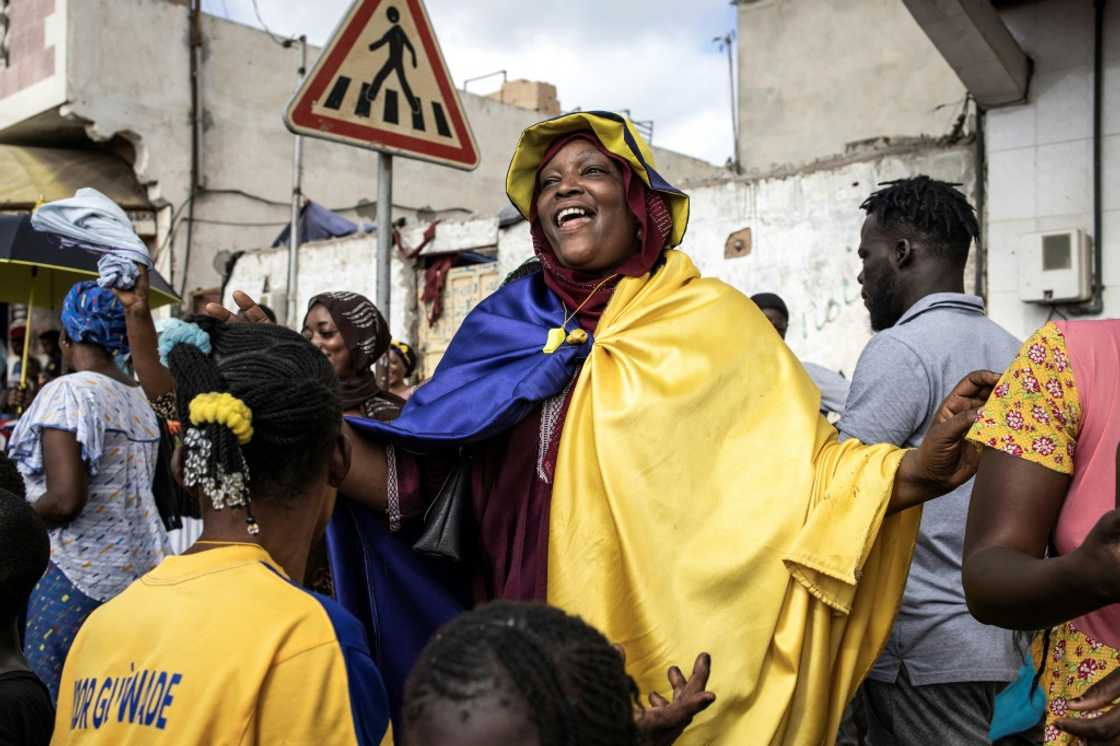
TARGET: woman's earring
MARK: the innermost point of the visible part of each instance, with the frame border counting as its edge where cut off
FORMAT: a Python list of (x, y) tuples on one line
[(639, 234)]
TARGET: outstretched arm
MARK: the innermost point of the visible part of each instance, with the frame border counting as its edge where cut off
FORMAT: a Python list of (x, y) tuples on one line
[(143, 341), (367, 481), (945, 460)]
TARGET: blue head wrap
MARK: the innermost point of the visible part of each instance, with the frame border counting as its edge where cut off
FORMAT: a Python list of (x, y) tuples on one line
[(93, 314)]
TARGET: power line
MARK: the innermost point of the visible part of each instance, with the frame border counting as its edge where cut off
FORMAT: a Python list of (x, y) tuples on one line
[(241, 224), (281, 40)]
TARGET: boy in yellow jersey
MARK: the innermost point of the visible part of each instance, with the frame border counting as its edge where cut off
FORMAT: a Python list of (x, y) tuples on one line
[(218, 645)]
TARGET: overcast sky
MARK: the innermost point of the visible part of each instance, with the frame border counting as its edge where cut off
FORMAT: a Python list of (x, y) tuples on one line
[(653, 57)]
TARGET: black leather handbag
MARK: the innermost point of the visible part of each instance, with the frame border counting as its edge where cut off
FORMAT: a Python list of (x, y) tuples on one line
[(445, 519)]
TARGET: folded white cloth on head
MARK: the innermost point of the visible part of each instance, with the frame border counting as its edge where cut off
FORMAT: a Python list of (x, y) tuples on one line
[(96, 223)]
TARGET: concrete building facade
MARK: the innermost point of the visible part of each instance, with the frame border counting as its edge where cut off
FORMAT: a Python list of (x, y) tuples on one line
[(798, 232), (816, 75), (86, 73), (1040, 153)]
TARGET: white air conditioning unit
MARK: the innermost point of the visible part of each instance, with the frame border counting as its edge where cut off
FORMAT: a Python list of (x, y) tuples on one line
[(1055, 267)]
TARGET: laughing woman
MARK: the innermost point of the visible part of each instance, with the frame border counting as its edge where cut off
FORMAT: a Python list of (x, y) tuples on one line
[(352, 333), (645, 452)]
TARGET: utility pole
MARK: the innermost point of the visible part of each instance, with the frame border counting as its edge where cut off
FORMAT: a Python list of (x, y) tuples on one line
[(297, 178), (727, 43)]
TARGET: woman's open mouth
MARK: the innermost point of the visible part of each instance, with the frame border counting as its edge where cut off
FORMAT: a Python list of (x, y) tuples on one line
[(573, 218)]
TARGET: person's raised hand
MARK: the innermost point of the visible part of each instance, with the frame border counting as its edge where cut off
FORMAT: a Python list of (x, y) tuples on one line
[(1103, 728), (135, 301), (1098, 557), (663, 722), (248, 311), (946, 459)]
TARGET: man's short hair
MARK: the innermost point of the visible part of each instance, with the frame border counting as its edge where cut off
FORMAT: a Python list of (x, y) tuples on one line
[(770, 300), (934, 211)]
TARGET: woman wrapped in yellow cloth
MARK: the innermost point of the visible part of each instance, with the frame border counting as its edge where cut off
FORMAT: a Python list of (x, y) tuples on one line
[(666, 475)]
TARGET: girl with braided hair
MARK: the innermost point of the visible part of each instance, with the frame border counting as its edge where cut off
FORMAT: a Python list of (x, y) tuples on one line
[(218, 645), (522, 673)]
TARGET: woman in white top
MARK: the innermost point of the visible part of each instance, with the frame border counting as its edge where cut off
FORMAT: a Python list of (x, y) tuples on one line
[(87, 449)]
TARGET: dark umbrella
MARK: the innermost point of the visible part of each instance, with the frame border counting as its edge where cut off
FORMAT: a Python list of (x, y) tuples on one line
[(36, 268)]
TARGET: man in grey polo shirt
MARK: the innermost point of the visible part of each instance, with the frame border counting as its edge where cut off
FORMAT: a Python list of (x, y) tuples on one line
[(937, 678)]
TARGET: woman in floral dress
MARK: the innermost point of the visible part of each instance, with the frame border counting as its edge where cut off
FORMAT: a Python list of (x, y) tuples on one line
[(1042, 549)]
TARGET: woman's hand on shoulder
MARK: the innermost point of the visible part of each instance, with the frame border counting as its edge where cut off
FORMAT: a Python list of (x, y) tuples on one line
[(947, 460), (248, 311), (944, 460)]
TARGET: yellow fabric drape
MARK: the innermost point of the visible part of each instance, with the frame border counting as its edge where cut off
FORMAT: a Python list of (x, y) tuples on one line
[(702, 503)]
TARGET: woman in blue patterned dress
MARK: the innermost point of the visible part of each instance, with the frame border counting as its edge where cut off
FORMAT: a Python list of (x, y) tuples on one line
[(87, 449)]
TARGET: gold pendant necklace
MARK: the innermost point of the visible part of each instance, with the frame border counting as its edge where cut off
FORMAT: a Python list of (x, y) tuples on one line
[(560, 334)]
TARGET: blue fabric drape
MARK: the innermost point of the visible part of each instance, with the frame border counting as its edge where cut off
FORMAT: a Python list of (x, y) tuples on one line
[(492, 375)]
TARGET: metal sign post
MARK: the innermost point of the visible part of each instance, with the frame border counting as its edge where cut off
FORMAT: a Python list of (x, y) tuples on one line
[(384, 230), (292, 309)]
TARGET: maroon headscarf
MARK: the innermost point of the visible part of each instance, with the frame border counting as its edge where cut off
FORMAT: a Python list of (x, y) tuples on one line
[(577, 287), (366, 335)]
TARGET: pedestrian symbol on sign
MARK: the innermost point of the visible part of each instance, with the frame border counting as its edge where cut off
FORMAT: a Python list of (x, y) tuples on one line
[(381, 83), (397, 40)]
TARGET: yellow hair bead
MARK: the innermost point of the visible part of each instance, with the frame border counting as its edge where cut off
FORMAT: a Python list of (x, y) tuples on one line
[(223, 409)]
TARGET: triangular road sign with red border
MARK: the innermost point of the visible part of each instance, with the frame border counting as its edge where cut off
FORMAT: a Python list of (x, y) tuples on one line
[(382, 83)]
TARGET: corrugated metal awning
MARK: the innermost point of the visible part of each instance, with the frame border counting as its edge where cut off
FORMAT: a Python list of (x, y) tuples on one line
[(34, 173)]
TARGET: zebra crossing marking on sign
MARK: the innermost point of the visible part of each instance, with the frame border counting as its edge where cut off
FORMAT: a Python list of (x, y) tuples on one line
[(382, 83), (390, 112)]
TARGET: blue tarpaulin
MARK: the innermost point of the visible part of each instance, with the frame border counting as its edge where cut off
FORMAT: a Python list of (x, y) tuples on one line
[(317, 223)]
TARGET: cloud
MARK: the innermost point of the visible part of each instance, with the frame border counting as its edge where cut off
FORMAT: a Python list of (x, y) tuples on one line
[(655, 58)]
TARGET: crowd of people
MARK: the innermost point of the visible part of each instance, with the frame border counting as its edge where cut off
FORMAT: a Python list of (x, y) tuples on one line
[(220, 530)]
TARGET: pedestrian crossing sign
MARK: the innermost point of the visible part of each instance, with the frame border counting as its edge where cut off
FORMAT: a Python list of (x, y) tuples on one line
[(382, 83)]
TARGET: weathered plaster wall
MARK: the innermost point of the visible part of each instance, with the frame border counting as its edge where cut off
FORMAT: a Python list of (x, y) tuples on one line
[(805, 233), (815, 75), (342, 264)]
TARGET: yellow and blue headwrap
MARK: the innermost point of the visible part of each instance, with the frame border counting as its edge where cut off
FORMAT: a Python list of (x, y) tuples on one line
[(617, 134)]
